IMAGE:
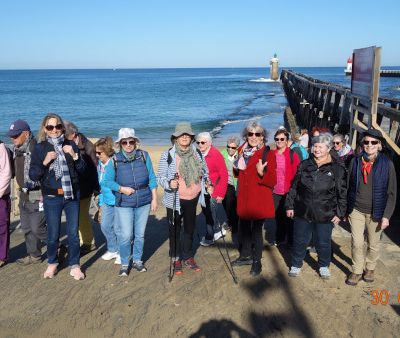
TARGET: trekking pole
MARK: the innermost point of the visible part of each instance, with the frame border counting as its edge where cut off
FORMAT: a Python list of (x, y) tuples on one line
[(230, 266), (172, 263)]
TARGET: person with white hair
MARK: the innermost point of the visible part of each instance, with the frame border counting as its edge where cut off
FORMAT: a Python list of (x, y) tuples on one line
[(218, 176), (316, 201)]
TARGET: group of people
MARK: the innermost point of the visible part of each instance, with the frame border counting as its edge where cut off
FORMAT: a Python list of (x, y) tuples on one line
[(296, 190)]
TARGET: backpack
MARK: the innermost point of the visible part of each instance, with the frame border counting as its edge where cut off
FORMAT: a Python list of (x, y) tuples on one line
[(267, 149), (115, 161), (11, 159), (169, 159), (300, 151)]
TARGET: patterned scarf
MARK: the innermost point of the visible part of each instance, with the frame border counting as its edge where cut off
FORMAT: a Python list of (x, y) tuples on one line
[(366, 167), (190, 168), (60, 166), (245, 155)]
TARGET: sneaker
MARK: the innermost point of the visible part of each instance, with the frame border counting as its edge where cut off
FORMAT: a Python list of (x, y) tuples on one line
[(178, 268), (29, 260), (219, 234), (256, 268), (206, 242), (139, 266), (191, 264), (324, 272), (109, 256), (242, 261), (51, 271), (368, 276), (294, 271), (77, 273), (118, 260), (123, 272), (2, 263), (353, 279)]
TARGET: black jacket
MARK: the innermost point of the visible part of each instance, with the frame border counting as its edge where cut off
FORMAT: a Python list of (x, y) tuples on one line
[(39, 172), (318, 194)]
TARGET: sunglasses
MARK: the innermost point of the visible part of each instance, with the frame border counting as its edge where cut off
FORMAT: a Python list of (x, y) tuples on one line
[(337, 143), (374, 143), (280, 139), (131, 143), (99, 152), (201, 142), (234, 148), (250, 134), (49, 127)]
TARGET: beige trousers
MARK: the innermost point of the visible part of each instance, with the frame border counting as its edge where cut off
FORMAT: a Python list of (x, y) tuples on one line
[(85, 225), (359, 221)]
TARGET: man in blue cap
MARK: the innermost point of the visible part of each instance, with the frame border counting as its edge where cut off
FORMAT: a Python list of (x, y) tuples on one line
[(30, 198)]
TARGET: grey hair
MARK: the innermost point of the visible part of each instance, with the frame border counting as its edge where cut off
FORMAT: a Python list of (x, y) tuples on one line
[(205, 135), (257, 126), (233, 139), (340, 137), (325, 138), (70, 128)]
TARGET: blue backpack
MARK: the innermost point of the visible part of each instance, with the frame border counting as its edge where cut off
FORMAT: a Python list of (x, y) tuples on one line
[(300, 151)]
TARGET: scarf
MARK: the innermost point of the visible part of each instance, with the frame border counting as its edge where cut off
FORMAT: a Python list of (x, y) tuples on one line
[(366, 167), (245, 155), (60, 166), (190, 168), (101, 168), (346, 150)]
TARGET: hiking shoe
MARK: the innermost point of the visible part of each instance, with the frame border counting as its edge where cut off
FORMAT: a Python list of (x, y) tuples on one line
[(324, 272), (294, 272), (139, 266), (353, 279), (2, 263), (191, 264), (178, 268), (242, 261), (368, 276), (117, 260), (219, 234), (123, 272), (29, 260), (86, 248), (109, 256), (256, 268), (206, 242)]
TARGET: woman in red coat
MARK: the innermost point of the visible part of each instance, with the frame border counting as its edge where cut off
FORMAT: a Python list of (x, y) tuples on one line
[(256, 179)]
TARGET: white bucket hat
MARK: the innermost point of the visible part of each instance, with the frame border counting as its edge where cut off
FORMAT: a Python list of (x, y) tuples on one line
[(126, 133)]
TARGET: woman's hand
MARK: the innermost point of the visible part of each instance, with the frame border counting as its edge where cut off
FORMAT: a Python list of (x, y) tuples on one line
[(335, 220), (50, 156), (154, 204), (290, 213), (209, 188), (126, 190), (69, 150), (260, 167), (384, 223), (173, 184), (219, 199)]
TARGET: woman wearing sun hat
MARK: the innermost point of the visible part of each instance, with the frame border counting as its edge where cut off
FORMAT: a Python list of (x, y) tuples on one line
[(133, 168), (182, 173)]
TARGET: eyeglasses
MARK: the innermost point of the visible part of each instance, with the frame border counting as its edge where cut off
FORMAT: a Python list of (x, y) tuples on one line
[(201, 142), (280, 139), (131, 143), (250, 134), (374, 143), (49, 127), (234, 148), (337, 143)]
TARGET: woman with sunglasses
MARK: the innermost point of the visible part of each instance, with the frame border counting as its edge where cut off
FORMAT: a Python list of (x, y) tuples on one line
[(371, 200), (256, 172), (182, 173), (230, 155), (218, 176), (287, 161), (56, 163), (343, 150), (133, 168)]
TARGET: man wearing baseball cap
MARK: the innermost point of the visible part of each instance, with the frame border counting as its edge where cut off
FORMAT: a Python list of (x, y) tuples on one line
[(30, 198)]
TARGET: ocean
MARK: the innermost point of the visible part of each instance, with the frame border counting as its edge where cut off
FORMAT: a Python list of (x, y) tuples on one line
[(152, 101)]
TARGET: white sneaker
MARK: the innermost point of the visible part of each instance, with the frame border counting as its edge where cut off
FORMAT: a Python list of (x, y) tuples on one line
[(118, 260), (219, 234), (109, 255), (206, 242)]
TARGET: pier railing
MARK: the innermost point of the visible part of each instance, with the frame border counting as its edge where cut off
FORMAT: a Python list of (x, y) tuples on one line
[(317, 103)]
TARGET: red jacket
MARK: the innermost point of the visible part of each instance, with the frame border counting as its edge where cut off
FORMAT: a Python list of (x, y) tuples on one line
[(217, 172), (254, 200), (290, 168)]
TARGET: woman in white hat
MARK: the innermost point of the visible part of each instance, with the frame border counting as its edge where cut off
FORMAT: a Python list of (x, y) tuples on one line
[(133, 168), (182, 173)]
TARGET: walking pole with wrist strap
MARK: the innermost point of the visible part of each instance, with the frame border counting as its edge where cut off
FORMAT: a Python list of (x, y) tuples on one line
[(172, 263)]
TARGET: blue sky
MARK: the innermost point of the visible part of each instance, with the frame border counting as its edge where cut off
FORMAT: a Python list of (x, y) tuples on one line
[(218, 33)]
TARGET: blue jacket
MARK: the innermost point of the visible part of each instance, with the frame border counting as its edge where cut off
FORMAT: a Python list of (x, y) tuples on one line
[(106, 176), (137, 174)]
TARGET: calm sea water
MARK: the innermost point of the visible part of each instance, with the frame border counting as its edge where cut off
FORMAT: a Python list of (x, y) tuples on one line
[(100, 102)]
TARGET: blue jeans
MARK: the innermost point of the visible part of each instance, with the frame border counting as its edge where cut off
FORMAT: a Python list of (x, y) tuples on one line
[(302, 236), (129, 221), (53, 207), (108, 228)]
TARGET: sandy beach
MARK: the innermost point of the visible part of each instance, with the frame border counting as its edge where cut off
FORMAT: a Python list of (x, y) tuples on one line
[(205, 304)]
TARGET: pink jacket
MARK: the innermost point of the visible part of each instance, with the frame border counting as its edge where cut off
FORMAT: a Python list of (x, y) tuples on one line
[(5, 171), (217, 172)]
